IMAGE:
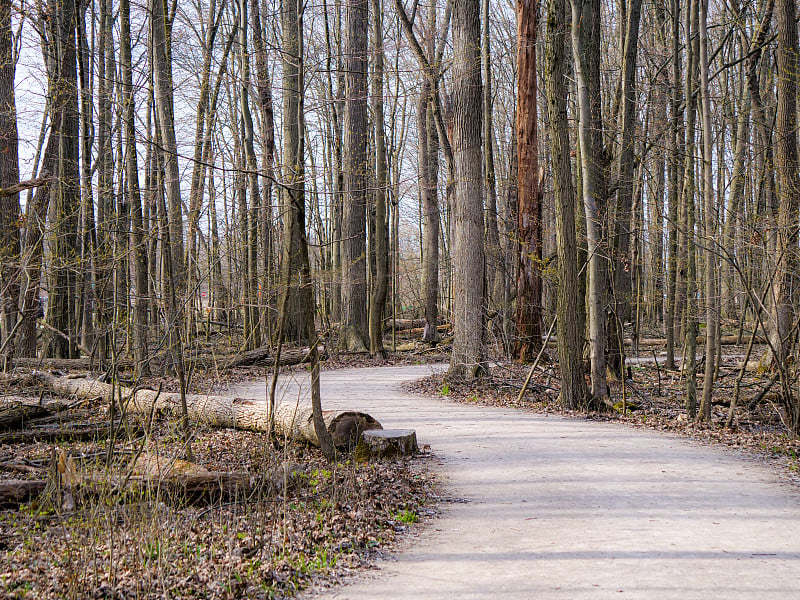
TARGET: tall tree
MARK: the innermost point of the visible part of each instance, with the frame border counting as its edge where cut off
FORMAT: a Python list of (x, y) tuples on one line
[(253, 335), (355, 327), (586, 50), (161, 32), (264, 95), (104, 257), (428, 163), (377, 306), (529, 213), (137, 235), (468, 360), (63, 296), (784, 287), (569, 335), (293, 313), (675, 145), (9, 178), (709, 254), (623, 269)]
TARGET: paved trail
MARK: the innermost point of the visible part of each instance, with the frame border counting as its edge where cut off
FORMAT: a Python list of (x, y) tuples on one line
[(569, 509)]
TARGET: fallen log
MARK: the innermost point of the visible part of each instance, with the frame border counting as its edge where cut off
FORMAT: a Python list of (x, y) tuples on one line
[(73, 433), (66, 364), (261, 356), (189, 486), (16, 411), (292, 420), (15, 491), (420, 331), (403, 324)]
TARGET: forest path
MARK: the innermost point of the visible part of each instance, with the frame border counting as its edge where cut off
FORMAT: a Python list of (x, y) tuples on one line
[(565, 508)]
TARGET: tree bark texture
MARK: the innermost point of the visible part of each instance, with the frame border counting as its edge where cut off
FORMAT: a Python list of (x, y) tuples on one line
[(468, 360), (784, 287), (377, 305), (9, 176), (622, 266), (295, 328), (586, 49), (355, 327), (529, 214), (570, 336)]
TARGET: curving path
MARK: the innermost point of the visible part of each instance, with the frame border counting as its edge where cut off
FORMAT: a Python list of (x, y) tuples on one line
[(570, 509)]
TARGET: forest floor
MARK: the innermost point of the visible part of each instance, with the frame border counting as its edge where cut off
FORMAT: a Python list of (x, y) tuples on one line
[(301, 520)]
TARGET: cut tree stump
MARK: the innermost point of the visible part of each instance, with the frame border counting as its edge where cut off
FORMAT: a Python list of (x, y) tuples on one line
[(389, 443), (292, 420)]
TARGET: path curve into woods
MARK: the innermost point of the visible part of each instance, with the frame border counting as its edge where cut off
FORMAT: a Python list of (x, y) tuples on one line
[(565, 508)]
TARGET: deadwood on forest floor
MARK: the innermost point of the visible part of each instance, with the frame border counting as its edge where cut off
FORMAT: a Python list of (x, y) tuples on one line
[(292, 420)]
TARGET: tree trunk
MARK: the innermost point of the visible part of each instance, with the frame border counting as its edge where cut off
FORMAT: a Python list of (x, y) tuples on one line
[(430, 214), (675, 153), (264, 89), (468, 360), (354, 266), (529, 215), (253, 336), (199, 165), (691, 27), (586, 49), (9, 176), (295, 328), (62, 312), (166, 125), (495, 269), (377, 306), (784, 286), (137, 235), (104, 254), (622, 267), (570, 336), (710, 262)]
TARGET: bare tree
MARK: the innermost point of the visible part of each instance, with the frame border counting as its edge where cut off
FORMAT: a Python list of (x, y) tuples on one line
[(377, 306), (529, 212), (570, 337), (468, 360), (9, 177), (586, 49), (355, 327)]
